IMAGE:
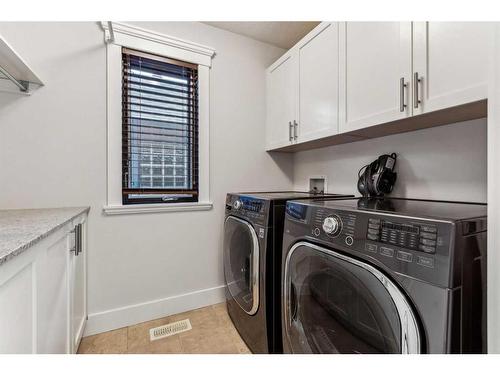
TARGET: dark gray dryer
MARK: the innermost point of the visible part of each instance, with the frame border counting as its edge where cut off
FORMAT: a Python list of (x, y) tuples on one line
[(384, 276), (253, 233)]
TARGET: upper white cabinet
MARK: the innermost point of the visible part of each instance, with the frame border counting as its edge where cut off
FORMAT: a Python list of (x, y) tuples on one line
[(302, 90), (281, 97), (345, 77), (376, 71), (318, 95), (450, 63)]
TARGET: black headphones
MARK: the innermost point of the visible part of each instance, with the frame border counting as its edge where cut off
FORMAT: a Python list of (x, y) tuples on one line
[(378, 177)]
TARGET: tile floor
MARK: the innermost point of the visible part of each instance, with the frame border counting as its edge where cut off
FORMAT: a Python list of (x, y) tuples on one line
[(212, 332)]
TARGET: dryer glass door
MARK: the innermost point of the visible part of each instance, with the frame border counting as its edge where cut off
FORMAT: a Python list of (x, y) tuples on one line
[(241, 263), (337, 304)]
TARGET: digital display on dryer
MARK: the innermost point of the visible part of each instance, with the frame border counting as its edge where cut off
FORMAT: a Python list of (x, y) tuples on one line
[(400, 227), (296, 211)]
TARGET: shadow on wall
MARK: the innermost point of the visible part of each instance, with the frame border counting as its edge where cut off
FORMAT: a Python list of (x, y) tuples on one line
[(442, 163), (284, 161), (8, 99), (406, 172)]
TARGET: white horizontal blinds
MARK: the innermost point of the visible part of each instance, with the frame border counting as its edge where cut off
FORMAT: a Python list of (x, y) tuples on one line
[(160, 129)]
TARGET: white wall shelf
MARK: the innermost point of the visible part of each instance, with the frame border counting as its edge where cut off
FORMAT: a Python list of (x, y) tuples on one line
[(15, 75)]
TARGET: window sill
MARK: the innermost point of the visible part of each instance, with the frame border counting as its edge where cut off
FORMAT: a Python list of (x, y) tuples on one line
[(153, 208)]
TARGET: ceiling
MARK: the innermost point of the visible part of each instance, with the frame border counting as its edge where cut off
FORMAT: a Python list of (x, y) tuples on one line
[(279, 34)]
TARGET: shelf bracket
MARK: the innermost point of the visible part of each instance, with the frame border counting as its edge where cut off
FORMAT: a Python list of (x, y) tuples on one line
[(111, 37), (23, 85)]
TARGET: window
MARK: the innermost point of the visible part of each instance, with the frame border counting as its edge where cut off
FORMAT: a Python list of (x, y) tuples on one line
[(159, 129), (158, 122)]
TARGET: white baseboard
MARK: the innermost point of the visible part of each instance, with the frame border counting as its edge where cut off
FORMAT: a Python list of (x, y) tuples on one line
[(142, 312)]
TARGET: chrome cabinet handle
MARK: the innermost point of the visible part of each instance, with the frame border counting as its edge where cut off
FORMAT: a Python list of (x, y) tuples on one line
[(77, 249), (416, 81), (74, 249), (295, 124), (402, 87), (79, 238), (290, 138)]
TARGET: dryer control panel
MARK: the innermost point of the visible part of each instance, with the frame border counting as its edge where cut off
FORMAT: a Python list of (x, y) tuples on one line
[(409, 236), (411, 246)]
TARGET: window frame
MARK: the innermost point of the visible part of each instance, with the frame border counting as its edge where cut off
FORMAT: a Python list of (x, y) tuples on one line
[(135, 38)]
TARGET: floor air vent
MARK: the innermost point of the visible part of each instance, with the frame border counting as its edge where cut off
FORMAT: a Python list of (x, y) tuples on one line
[(169, 329)]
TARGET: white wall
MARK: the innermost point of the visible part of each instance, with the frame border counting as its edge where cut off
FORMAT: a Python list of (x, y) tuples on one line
[(53, 153), (493, 281), (446, 163)]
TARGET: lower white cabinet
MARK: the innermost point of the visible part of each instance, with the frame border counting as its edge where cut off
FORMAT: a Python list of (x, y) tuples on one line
[(78, 286), (17, 305), (52, 295), (43, 304)]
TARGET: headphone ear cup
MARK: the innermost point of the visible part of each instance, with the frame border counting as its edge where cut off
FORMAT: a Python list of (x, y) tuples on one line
[(366, 176), (362, 188), (361, 184), (386, 181), (369, 180), (377, 184)]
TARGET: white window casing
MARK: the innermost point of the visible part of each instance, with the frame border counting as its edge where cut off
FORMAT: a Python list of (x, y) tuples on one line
[(133, 37)]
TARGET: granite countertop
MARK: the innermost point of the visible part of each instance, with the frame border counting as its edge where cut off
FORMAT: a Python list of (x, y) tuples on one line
[(21, 229)]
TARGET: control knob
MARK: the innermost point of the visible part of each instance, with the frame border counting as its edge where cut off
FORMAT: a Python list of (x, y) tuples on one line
[(237, 205), (331, 225)]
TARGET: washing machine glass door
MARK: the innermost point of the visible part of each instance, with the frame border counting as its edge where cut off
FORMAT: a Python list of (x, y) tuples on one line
[(241, 263), (336, 304)]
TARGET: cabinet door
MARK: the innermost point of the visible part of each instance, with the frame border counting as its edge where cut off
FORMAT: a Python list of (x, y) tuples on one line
[(318, 55), (78, 288), (451, 60), (17, 308), (281, 98), (52, 296), (375, 56)]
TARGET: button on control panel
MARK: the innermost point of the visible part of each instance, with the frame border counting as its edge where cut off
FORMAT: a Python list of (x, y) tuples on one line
[(386, 251), (425, 261), (372, 248), (404, 256), (349, 240)]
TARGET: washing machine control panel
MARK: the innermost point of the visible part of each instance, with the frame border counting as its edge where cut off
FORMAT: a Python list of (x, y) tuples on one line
[(247, 207)]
